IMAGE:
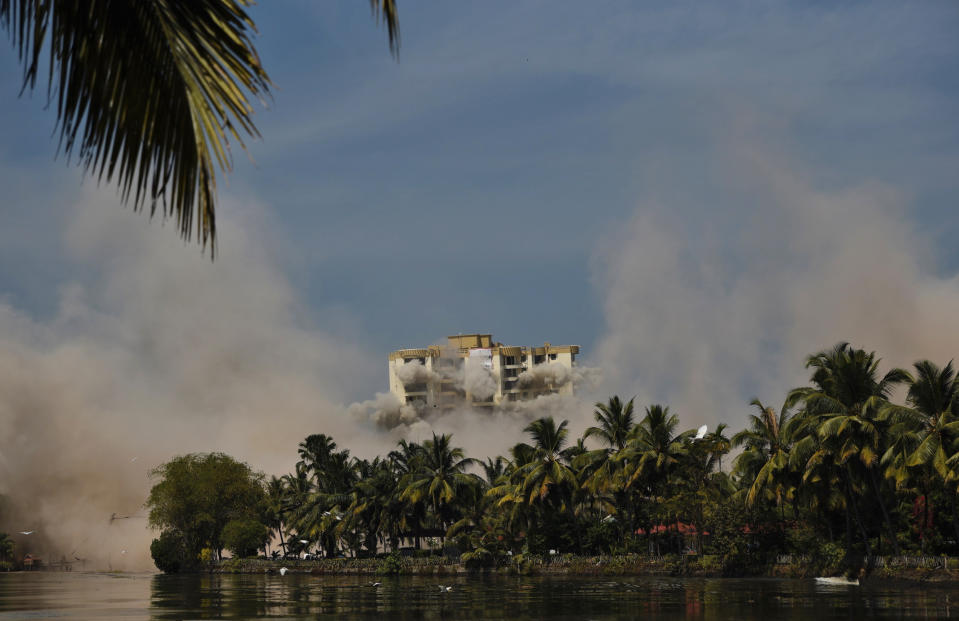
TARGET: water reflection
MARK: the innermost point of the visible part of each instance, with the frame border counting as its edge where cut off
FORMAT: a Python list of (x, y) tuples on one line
[(85, 596), (537, 598)]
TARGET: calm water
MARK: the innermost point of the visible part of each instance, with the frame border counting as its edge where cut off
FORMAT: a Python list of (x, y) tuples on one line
[(145, 596)]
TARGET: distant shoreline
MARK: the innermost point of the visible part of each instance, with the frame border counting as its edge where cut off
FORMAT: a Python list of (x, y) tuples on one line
[(705, 566)]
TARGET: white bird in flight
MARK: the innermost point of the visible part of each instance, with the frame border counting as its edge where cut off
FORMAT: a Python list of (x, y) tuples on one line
[(700, 433), (283, 571), (27, 532), (304, 541), (445, 589), (133, 460)]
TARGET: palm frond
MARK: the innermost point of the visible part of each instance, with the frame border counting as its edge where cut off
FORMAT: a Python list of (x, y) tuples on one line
[(150, 93)]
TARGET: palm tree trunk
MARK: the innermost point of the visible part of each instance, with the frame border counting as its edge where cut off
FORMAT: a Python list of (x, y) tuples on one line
[(885, 514), (851, 499), (955, 514)]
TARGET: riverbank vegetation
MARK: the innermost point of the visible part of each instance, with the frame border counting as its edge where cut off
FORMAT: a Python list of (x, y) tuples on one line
[(842, 473)]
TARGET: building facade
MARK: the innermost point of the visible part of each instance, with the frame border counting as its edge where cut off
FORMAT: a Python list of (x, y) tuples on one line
[(473, 369)]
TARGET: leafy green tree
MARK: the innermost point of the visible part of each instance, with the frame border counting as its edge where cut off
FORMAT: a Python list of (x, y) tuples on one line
[(196, 495), (6, 547), (244, 536), (149, 93)]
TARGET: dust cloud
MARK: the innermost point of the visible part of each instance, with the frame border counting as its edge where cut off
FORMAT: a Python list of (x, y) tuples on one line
[(160, 353), (707, 307)]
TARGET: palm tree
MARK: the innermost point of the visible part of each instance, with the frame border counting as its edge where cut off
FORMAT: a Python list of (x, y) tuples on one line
[(315, 452), (615, 420), (925, 432), (149, 93), (440, 473), (276, 497), (764, 461), (653, 448), (494, 469), (718, 443), (844, 401), (549, 470)]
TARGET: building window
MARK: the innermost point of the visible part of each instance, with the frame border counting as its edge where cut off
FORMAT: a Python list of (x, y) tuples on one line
[(552, 356), (540, 359), (509, 360)]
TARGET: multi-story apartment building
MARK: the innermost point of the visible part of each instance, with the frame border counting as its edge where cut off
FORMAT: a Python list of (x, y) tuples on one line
[(472, 368)]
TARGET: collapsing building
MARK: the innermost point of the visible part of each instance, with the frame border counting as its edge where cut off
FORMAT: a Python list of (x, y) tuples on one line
[(472, 369)]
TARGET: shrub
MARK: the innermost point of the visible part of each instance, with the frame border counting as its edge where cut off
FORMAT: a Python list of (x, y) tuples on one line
[(169, 553), (391, 565), (829, 558)]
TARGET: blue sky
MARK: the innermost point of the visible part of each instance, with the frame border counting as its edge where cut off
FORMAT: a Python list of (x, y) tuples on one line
[(478, 184)]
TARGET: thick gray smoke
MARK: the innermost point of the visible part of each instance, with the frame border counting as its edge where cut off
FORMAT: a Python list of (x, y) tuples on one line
[(386, 411), (478, 381), (558, 375), (707, 307), (414, 372)]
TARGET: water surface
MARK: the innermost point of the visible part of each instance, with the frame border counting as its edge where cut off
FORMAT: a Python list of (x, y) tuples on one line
[(149, 596)]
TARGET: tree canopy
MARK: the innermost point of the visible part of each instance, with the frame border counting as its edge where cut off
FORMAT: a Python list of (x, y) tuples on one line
[(197, 495)]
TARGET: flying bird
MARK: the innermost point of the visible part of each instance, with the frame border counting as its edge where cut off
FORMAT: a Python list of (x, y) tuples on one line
[(304, 541), (445, 589), (133, 460), (283, 571), (375, 584), (27, 532), (700, 433)]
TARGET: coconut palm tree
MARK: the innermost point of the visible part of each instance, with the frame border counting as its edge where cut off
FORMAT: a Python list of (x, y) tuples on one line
[(615, 420), (654, 448), (549, 469), (844, 402), (494, 469), (925, 432), (764, 462), (275, 510), (149, 93), (439, 474)]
